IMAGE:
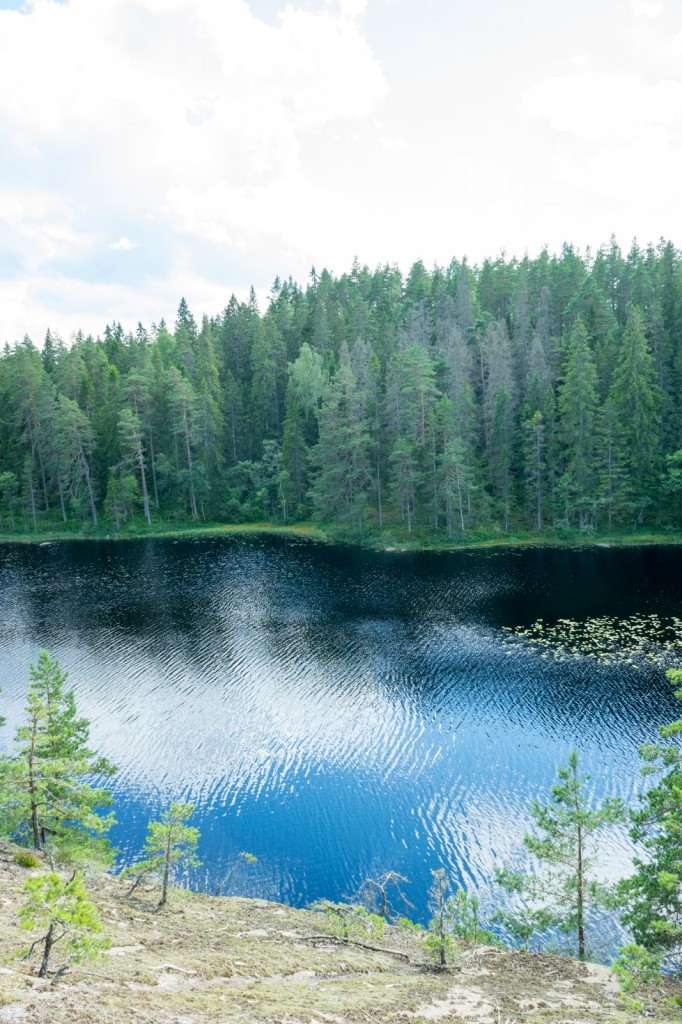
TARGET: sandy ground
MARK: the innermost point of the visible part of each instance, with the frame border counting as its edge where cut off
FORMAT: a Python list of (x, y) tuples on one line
[(208, 960)]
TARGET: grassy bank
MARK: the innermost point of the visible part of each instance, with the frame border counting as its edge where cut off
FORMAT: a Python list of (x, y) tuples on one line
[(166, 531), (389, 539)]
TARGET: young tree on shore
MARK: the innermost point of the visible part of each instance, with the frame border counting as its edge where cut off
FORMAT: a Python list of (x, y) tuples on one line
[(171, 843), (71, 920), (50, 798), (439, 940), (653, 895), (561, 894)]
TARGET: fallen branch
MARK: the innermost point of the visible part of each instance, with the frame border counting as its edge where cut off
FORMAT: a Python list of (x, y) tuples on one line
[(172, 967), (353, 942), (75, 969)]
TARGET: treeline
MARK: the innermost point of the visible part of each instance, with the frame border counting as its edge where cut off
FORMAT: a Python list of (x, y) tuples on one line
[(515, 395)]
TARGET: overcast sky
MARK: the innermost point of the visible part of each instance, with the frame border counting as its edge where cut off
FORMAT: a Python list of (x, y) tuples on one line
[(158, 148)]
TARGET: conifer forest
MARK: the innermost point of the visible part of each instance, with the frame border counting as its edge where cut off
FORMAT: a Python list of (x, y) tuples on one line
[(518, 395)]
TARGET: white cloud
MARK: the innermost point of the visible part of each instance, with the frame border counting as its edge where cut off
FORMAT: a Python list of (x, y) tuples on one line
[(352, 8), (673, 47), (125, 244), (646, 9), (620, 143), (598, 107), (154, 148), (39, 227), (178, 115)]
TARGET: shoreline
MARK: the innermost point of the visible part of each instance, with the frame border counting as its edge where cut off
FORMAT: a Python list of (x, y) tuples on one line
[(314, 533)]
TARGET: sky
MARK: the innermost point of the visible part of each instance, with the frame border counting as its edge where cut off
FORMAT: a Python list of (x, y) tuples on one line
[(153, 149)]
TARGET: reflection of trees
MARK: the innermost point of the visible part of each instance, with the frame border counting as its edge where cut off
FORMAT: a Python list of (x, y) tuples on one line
[(344, 625)]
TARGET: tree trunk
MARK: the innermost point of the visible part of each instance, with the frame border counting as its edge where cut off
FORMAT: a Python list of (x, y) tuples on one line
[(143, 478), (88, 482), (35, 824), (192, 496), (47, 948), (61, 495), (32, 496), (166, 871), (153, 462), (581, 898)]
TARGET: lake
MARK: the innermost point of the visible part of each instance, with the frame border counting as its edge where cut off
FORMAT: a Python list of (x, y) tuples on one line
[(339, 712)]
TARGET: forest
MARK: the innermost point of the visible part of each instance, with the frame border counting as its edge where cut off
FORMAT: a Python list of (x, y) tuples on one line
[(519, 395)]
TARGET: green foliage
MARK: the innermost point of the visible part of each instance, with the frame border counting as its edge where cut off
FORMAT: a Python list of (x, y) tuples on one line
[(638, 971), (578, 412), (350, 921), (71, 920), (170, 846), (50, 800), (562, 891), (652, 896), (514, 395), (26, 859), (463, 920), (439, 939)]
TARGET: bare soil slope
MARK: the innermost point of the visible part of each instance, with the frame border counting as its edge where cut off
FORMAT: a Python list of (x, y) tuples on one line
[(208, 960)]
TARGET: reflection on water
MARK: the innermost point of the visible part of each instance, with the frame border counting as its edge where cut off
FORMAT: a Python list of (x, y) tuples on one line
[(339, 713)]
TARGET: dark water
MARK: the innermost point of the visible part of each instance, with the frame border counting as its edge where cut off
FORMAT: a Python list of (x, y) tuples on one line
[(335, 712)]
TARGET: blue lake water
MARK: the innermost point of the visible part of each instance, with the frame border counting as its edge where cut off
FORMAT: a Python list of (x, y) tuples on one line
[(337, 712)]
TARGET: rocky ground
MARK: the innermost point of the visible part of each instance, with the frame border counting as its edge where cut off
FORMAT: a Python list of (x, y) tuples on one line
[(213, 960)]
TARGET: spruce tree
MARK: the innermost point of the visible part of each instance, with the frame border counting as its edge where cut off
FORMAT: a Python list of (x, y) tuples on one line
[(342, 481), (578, 413), (635, 397)]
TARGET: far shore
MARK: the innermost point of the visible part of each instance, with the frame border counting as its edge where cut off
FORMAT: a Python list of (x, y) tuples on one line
[(376, 541)]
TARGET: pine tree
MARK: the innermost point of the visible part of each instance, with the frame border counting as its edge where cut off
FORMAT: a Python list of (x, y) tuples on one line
[(73, 925), (183, 403), (9, 494), (501, 453), (652, 896), (564, 891), (209, 412), (456, 484), (75, 447), (51, 800), (535, 468), (295, 455), (130, 430), (171, 844)]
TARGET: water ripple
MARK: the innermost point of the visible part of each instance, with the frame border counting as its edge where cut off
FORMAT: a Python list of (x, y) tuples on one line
[(340, 713)]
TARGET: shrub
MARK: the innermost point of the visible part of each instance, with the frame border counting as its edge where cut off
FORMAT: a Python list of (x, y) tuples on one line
[(26, 859)]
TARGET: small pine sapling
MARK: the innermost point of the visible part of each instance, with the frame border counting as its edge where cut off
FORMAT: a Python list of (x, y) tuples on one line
[(463, 918), (561, 894), (439, 939), (350, 921), (652, 897), (170, 845), (639, 973), (71, 920)]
